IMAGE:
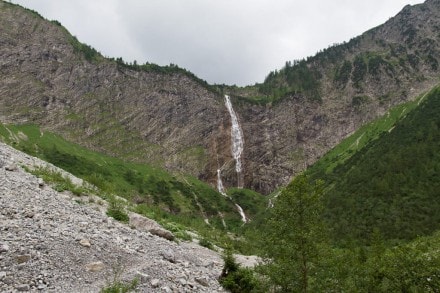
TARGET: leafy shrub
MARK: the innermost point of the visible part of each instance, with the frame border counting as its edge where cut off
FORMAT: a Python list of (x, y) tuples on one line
[(116, 285), (358, 101), (178, 230), (343, 74), (206, 243), (59, 182), (116, 210), (89, 53), (359, 71), (237, 279), (120, 287)]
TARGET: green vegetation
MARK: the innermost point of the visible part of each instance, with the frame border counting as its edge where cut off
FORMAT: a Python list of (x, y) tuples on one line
[(294, 235), (89, 53), (251, 201), (116, 209), (380, 195), (390, 183), (296, 78), (359, 70), (178, 202), (178, 230), (206, 243), (120, 287), (116, 285), (342, 75), (301, 259), (237, 279), (59, 182), (364, 135), (167, 69)]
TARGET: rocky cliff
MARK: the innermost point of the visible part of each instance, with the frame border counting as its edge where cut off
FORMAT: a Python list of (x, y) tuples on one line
[(168, 117), (315, 103)]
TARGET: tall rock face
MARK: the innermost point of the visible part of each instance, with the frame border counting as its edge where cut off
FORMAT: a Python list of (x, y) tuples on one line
[(168, 117), (328, 96), (47, 77)]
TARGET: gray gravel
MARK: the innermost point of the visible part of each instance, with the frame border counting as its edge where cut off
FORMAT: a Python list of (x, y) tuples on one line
[(51, 243)]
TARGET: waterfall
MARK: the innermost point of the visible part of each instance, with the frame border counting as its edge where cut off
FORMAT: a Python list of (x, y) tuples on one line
[(236, 139), (220, 187), (237, 150), (242, 214)]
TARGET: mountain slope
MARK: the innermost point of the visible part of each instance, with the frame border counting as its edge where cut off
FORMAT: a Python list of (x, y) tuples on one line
[(392, 183), (148, 114), (309, 106), (153, 191), (54, 241), (168, 117)]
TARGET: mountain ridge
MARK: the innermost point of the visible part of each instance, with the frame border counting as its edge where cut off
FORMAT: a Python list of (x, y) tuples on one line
[(175, 121)]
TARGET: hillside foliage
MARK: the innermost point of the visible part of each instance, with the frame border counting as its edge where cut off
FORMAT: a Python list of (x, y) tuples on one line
[(154, 192), (392, 183)]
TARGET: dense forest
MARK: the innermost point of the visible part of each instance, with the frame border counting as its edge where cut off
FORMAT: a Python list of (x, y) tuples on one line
[(392, 184)]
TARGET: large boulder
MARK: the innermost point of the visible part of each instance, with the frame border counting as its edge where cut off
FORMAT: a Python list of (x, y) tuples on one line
[(144, 224)]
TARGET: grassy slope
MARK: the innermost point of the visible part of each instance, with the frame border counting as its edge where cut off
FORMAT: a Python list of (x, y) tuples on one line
[(157, 193), (361, 137), (389, 181)]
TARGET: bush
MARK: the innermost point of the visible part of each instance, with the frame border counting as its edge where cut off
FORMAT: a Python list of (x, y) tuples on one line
[(59, 182), (116, 210), (206, 243), (178, 230), (237, 279), (120, 287)]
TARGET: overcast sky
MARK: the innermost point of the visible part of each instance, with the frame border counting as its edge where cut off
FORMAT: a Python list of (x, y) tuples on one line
[(221, 41)]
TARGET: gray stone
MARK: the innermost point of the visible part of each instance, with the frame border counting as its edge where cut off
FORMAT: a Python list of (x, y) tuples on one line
[(41, 287), (144, 224), (8, 280), (22, 258), (143, 278), (22, 287), (11, 167), (95, 266), (53, 260), (85, 242), (4, 247), (162, 233), (155, 283), (168, 255), (204, 281)]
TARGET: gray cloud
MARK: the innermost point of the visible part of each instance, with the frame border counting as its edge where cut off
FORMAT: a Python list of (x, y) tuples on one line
[(228, 41)]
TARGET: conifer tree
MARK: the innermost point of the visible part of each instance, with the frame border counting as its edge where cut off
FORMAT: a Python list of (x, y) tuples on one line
[(294, 236)]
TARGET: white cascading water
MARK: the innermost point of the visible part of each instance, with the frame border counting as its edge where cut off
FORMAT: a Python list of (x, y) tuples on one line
[(242, 214), (237, 150), (236, 139), (220, 187)]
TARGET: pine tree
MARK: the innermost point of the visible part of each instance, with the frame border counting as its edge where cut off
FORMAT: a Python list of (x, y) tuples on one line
[(294, 236)]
